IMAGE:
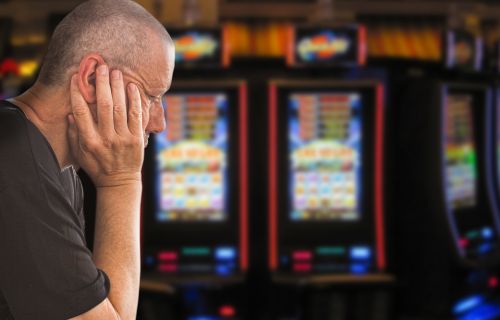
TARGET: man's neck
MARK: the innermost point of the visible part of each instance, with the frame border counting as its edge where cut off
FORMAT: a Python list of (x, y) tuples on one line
[(48, 109)]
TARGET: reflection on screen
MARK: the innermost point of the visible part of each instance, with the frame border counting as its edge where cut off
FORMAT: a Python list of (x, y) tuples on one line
[(192, 159), (325, 155), (460, 152)]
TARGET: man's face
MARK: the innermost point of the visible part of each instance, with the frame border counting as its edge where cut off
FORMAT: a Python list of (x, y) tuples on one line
[(153, 81)]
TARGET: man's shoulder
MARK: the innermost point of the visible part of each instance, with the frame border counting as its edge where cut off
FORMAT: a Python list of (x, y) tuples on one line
[(13, 126)]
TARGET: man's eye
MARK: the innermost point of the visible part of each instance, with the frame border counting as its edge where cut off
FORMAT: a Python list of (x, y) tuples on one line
[(151, 99)]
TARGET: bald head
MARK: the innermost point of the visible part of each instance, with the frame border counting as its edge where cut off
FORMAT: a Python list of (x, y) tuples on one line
[(121, 31)]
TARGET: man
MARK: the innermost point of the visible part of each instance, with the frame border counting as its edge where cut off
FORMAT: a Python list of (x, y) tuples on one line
[(93, 106)]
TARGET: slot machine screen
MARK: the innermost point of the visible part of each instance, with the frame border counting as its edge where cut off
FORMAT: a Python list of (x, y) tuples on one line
[(461, 167), (325, 156), (191, 156)]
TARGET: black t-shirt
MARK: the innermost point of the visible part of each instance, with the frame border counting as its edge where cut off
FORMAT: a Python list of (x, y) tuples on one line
[(46, 270)]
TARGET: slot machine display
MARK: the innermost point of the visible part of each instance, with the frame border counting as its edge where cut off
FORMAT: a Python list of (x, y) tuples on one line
[(195, 198), (326, 188), (196, 183), (326, 223), (448, 223)]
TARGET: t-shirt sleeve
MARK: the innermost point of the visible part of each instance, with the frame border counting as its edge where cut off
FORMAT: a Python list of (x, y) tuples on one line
[(46, 271)]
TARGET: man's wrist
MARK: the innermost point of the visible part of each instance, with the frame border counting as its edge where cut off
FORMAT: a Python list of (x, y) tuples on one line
[(119, 180)]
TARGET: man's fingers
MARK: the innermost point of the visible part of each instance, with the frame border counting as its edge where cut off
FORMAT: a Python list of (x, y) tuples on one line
[(104, 101), (134, 111), (81, 112), (119, 102)]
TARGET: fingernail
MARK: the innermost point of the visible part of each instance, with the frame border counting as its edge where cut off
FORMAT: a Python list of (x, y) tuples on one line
[(103, 69), (116, 74)]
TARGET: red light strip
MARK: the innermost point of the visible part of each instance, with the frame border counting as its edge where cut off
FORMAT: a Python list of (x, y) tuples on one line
[(302, 255), (362, 45), (243, 178), (379, 177), (273, 190)]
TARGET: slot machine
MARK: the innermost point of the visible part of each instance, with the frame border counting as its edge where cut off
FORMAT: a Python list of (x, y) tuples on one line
[(326, 187), (195, 194), (447, 222)]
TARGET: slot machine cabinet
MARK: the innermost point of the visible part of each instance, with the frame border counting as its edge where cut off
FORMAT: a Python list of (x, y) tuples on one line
[(326, 191), (448, 227), (197, 181), (195, 233)]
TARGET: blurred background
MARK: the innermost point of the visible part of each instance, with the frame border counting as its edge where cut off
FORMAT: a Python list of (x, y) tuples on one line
[(323, 159)]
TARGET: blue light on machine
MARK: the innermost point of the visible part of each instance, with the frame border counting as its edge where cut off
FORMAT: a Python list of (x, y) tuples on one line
[(485, 248), (225, 253), (483, 312), (359, 268), (203, 318), (467, 304), (360, 253), (487, 233), (150, 260), (223, 270)]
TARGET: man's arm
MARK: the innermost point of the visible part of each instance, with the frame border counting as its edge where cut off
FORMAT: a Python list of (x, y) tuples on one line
[(111, 152)]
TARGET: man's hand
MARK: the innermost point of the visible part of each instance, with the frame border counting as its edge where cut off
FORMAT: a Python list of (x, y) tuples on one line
[(111, 149)]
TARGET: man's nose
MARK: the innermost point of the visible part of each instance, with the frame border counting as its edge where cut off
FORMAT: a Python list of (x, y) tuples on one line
[(156, 119)]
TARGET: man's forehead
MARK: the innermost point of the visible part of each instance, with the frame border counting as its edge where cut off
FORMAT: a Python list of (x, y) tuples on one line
[(158, 74)]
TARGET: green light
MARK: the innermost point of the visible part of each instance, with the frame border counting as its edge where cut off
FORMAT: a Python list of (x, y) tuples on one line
[(196, 251), (330, 251)]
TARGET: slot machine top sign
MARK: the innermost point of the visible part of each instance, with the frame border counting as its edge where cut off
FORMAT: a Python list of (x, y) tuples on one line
[(327, 46), (463, 50), (200, 47)]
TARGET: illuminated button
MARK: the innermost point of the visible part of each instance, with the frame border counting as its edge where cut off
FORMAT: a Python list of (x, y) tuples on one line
[(487, 233), (360, 253), (493, 282), (223, 269), (472, 234), (464, 242), (485, 248), (467, 304), (150, 260), (167, 267), (196, 251), (330, 251), (302, 267), (167, 255), (227, 311), (225, 253), (302, 255), (359, 268)]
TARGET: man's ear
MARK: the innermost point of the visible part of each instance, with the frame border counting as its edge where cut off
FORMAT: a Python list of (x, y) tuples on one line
[(86, 76)]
